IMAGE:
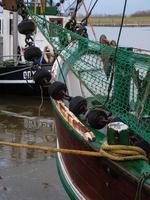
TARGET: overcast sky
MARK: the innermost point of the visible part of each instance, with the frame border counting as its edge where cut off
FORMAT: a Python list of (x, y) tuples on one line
[(116, 6)]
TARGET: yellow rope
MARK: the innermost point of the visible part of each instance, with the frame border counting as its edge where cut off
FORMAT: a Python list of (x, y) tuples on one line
[(123, 147), (113, 152)]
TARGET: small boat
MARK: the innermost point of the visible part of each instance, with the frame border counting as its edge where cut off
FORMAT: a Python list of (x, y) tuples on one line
[(18, 76), (100, 95)]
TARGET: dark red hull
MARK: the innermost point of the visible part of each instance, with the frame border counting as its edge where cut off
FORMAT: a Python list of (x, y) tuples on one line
[(95, 178)]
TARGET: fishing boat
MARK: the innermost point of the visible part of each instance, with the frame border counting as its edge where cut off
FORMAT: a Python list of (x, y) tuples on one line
[(100, 94), (85, 122)]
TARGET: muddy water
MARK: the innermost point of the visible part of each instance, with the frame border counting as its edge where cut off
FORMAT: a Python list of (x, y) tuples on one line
[(28, 174)]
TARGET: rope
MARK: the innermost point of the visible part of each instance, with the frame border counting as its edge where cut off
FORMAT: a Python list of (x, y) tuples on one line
[(12, 72), (88, 14), (113, 152), (79, 2), (141, 182), (115, 55), (89, 21), (90, 5), (42, 100)]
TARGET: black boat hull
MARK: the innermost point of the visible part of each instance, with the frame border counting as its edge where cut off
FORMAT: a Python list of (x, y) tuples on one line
[(19, 81)]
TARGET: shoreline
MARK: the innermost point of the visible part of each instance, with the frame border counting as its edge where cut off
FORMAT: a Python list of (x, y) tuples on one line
[(115, 21), (118, 25)]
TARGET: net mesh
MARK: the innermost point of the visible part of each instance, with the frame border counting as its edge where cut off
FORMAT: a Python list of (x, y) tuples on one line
[(127, 76)]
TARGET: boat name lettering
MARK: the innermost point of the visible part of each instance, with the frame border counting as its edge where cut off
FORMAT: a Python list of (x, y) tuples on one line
[(27, 75)]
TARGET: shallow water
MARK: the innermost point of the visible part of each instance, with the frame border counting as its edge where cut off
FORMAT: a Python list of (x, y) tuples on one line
[(28, 174)]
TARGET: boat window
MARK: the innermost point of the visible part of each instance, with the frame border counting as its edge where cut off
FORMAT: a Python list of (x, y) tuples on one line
[(10, 26)]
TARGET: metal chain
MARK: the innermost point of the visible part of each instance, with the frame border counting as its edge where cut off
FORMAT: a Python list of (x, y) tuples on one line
[(22, 11)]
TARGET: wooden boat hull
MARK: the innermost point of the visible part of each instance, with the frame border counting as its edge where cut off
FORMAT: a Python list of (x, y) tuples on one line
[(90, 177)]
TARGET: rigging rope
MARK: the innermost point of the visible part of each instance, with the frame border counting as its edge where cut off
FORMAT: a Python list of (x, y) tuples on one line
[(88, 13), (42, 100), (90, 5), (89, 21), (14, 71), (76, 8), (115, 54)]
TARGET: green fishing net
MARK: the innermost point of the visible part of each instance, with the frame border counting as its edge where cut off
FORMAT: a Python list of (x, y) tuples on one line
[(119, 80)]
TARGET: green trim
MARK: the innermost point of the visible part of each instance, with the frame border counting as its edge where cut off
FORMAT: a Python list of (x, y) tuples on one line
[(64, 182), (50, 10)]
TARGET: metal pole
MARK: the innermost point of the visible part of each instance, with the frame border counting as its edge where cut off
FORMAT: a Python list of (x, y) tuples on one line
[(15, 33)]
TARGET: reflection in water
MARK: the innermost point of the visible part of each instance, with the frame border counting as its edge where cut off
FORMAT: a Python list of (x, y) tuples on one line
[(20, 123), (27, 174)]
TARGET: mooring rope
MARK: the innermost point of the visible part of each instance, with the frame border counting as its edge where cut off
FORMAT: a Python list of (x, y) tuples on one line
[(88, 13), (42, 100), (113, 152), (115, 55)]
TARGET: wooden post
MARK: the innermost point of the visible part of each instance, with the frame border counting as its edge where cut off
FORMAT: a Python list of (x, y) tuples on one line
[(43, 6), (34, 7)]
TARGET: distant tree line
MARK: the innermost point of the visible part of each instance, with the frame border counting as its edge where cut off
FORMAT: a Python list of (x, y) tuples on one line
[(144, 13), (100, 16), (141, 13)]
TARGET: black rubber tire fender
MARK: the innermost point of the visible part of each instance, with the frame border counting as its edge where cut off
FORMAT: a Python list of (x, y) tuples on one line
[(40, 75), (32, 53), (78, 105), (26, 26), (57, 90), (97, 118)]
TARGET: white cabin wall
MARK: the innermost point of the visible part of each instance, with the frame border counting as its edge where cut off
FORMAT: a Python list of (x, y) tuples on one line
[(39, 39)]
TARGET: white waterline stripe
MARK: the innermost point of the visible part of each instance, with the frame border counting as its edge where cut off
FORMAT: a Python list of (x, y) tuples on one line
[(16, 81), (67, 176)]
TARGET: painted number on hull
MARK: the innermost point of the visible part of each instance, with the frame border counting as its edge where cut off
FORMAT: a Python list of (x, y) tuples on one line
[(27, 75)]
